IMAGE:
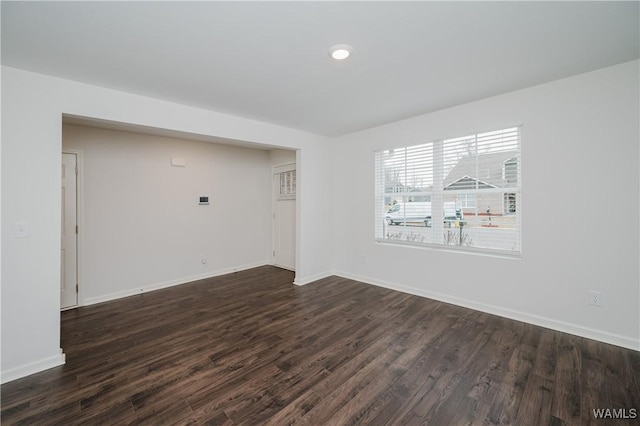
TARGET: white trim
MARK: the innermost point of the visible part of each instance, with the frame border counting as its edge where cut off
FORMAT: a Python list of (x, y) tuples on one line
[(272, 251), (299, 198), (467, 189), (164, 284), (502, 254), (79, 222), (565, 327), (283, 267), (288, 167), (312, 278), (32, 368)]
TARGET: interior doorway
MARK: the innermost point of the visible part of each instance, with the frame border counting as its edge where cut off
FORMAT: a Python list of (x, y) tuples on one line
[(69, 233), (284, 216)]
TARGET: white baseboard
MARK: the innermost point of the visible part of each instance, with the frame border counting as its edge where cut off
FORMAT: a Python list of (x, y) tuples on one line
[(164, 284), (589, 333), (312, 278), (34, 367)]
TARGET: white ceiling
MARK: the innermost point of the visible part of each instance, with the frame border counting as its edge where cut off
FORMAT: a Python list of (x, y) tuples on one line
[(269, 60)]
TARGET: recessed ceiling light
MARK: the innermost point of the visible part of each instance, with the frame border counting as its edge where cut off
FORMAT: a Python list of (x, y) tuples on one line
[(340, 51)]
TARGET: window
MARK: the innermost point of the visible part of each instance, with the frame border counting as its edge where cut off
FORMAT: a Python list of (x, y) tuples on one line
[(287, 187), (472, 183), (466, 201), (509, 203), (510, 170)]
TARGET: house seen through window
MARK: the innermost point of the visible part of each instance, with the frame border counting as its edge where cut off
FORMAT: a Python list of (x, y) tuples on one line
[(470, 183)]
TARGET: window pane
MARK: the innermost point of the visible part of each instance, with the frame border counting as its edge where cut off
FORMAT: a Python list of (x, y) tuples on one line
[(461, 180)]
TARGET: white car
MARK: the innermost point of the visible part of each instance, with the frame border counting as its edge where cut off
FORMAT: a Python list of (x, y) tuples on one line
[(418, 211)]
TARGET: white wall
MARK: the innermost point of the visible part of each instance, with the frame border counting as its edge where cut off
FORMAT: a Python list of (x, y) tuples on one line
[(280, 157), (32, 108), (580, 200), (142, 227), (580, 133)]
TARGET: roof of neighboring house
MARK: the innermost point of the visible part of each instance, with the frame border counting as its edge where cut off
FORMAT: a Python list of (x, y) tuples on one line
[(489, 172), (389, 185)]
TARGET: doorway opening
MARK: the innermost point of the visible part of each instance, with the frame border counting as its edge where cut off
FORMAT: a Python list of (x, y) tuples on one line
[(69, 232), (284, 216)]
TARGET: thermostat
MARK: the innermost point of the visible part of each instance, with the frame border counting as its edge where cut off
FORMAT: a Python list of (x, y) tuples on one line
[(204, 201)]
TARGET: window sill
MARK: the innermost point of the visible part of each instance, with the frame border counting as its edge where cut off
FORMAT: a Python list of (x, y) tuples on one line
[(500, 254)]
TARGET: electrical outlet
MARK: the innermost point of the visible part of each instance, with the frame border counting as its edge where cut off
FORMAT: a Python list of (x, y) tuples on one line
[(595, 298), (204, 260)]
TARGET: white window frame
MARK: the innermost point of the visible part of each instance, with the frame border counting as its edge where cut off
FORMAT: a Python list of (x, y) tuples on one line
[(467, 201), (286, 176), (386, 231)]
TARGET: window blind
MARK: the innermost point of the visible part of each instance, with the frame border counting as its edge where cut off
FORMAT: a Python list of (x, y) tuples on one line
[(470, 183)]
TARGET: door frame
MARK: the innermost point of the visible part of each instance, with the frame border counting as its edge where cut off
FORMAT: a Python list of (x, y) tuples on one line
[(80, 223), (274, 199)]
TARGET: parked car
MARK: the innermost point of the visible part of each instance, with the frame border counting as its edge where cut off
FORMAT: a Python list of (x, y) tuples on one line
[(421, 212)]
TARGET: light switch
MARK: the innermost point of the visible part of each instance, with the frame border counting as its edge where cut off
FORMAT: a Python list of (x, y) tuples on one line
[(21, 230)]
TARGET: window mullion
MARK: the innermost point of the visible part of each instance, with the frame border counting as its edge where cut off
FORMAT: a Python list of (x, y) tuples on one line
[(437, 199)]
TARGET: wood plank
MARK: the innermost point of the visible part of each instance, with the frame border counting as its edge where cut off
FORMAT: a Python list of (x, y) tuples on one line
[(251, 348), (535, 408), (567, 394)]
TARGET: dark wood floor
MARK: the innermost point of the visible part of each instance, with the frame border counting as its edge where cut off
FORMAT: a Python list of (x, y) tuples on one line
[(251, 348)]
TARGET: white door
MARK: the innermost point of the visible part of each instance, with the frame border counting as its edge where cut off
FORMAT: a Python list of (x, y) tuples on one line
[(284, 217), (69, 241)]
